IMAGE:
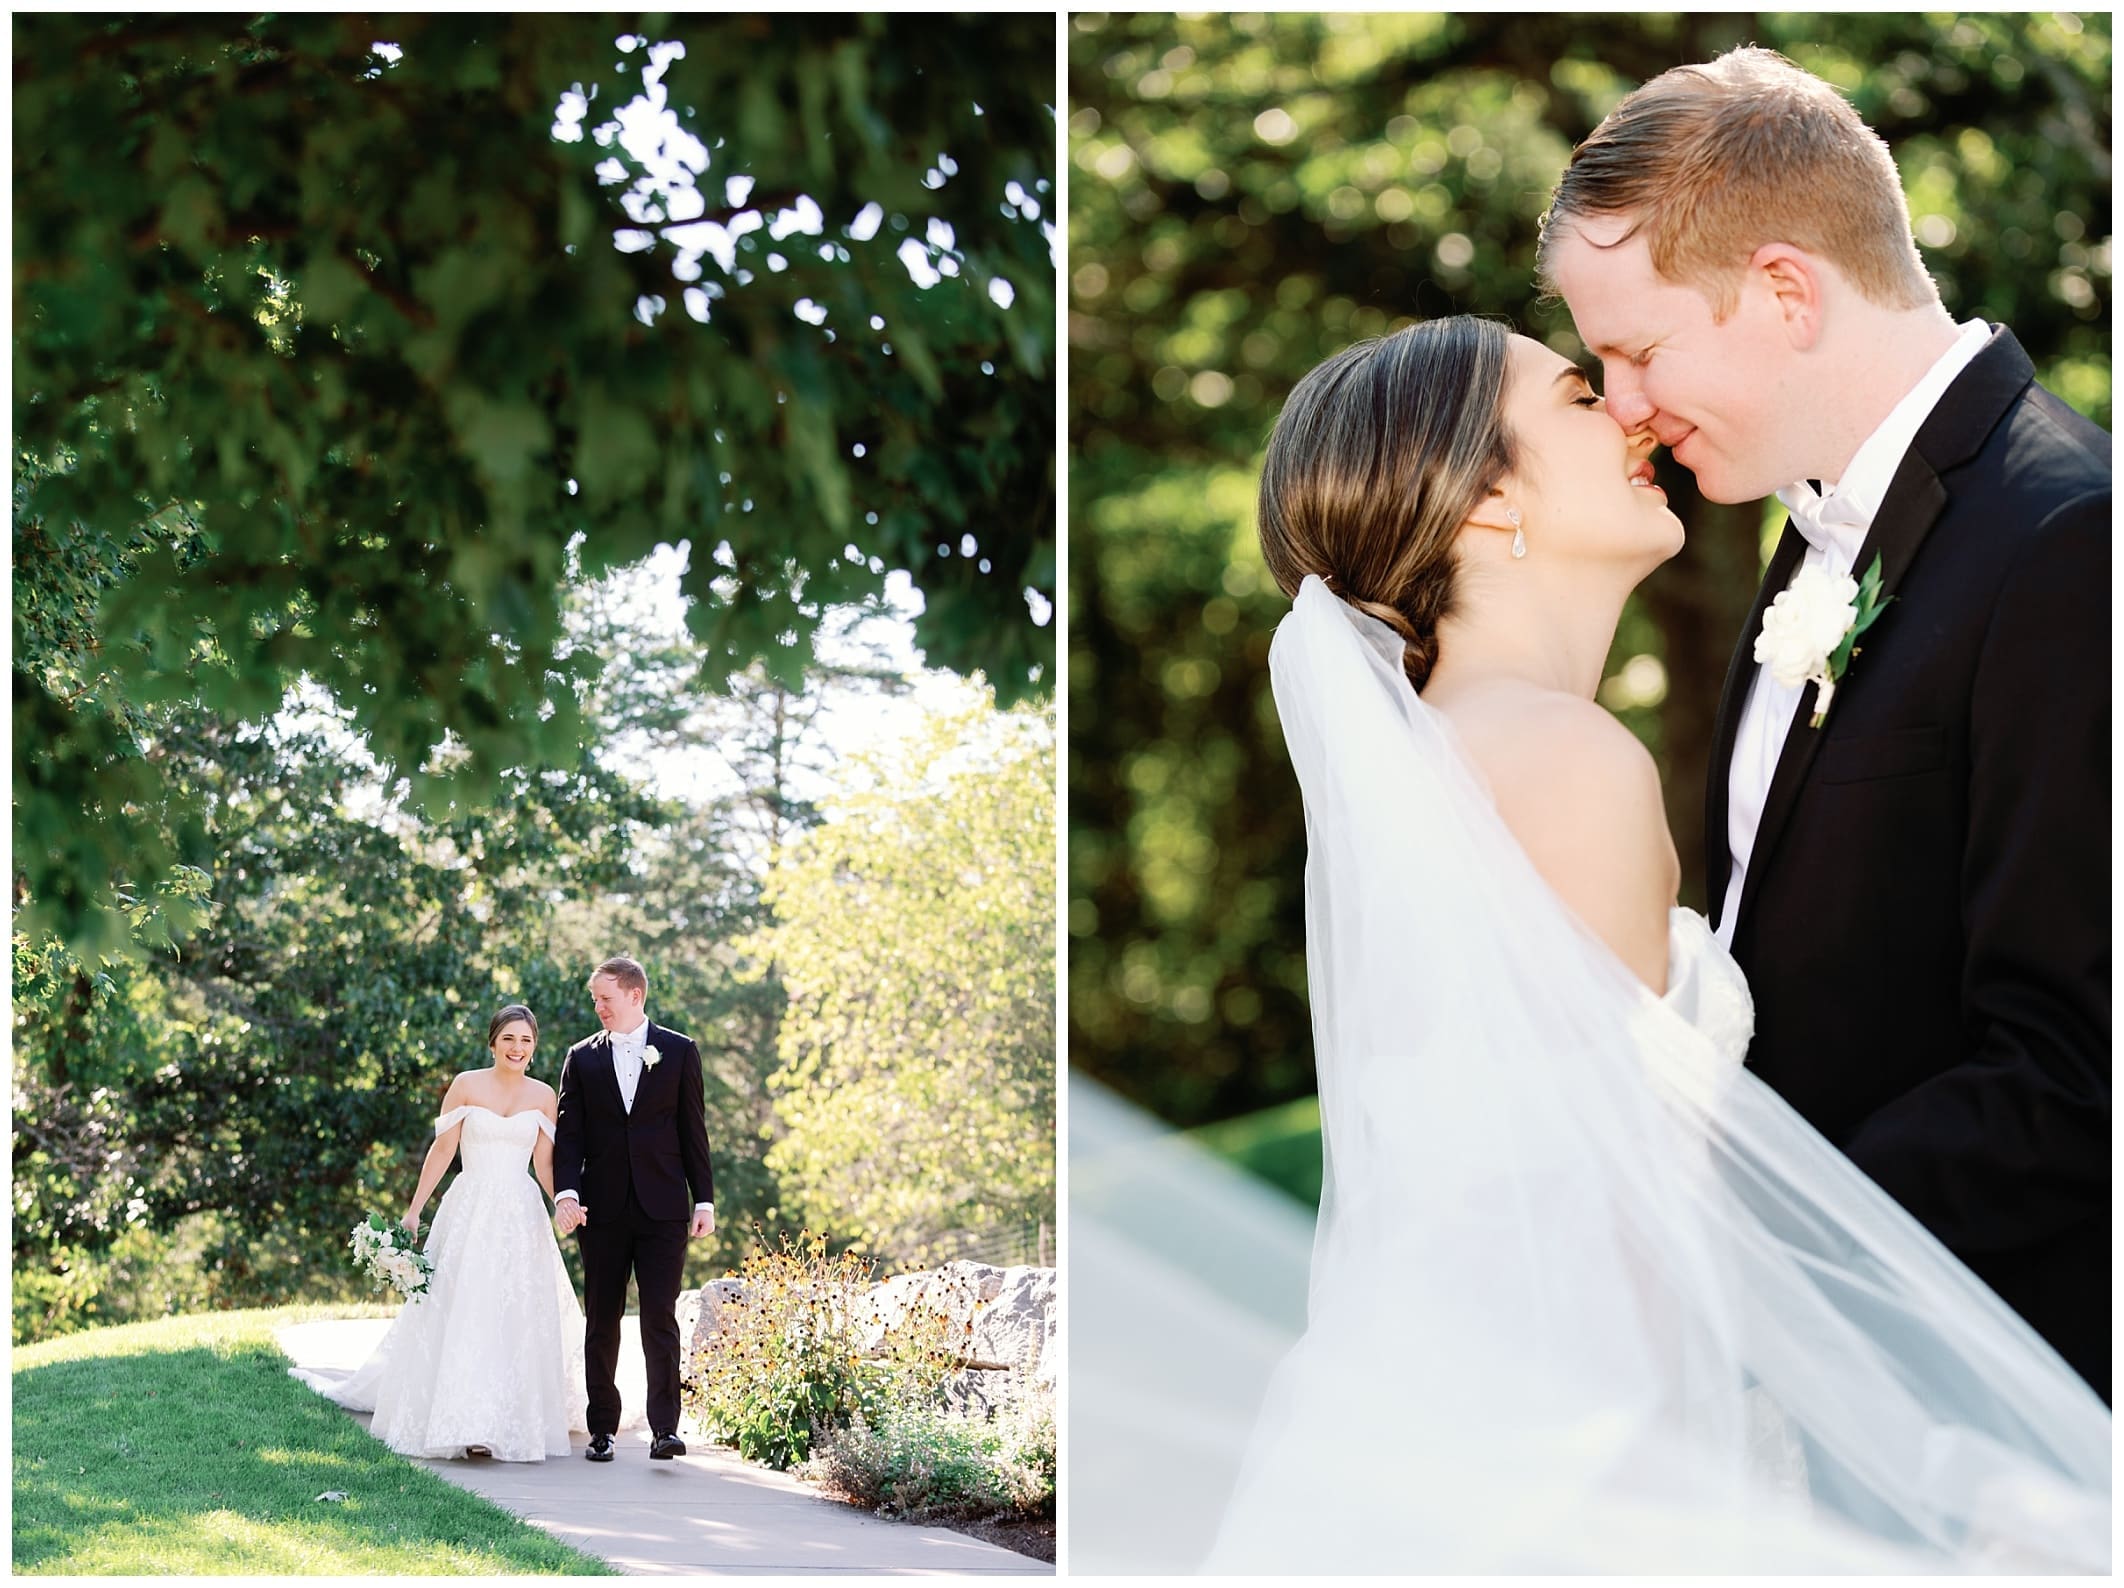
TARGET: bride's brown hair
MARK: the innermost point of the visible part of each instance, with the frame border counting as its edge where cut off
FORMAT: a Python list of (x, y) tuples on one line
[(1378, 458), (508, 1013)]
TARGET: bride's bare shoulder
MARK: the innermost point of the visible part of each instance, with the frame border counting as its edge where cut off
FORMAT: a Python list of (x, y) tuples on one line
[(1582, 796), (1535, 744)]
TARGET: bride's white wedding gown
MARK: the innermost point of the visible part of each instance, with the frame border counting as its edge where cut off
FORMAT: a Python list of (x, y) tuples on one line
[(1583, 1293), (492, 1355)]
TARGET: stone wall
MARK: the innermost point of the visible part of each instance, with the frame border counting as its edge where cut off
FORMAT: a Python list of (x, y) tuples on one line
[(1013, 1312)]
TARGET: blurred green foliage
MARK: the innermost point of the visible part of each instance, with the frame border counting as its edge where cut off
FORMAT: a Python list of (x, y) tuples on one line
[(333, 332), (1250, 193), (1280, 1143)]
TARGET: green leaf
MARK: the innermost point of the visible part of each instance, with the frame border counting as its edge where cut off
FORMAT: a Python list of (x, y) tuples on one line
[(914, 348), (811, 445), (616, 449), (505, 437), (329, 289), (1870, 617)]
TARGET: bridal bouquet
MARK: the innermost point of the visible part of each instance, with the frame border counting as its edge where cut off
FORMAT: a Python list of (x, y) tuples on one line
[(384, 1250)]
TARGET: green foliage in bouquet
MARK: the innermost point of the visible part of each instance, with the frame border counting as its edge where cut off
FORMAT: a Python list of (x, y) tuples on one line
[(390, 1256)]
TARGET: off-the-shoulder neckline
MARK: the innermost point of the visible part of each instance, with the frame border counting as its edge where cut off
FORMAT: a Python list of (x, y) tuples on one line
[(484, 1109)]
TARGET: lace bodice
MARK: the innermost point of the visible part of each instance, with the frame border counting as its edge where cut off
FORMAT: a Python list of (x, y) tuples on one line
[(1706, 987), (495, 1143)]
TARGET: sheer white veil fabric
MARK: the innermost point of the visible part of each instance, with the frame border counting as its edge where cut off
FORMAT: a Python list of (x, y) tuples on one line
[(1583, 1295)]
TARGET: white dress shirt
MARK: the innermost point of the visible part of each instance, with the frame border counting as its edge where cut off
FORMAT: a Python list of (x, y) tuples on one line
[(627, 1050), (1836, 523)]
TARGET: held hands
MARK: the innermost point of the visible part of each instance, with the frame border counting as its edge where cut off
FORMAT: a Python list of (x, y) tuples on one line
[(569, 1215)]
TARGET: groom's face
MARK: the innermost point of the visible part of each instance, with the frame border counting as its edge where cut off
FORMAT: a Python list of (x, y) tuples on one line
[(1718, 393), (618, 1008)]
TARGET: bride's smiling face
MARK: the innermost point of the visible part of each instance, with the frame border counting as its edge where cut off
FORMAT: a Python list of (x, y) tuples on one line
[(513, 1046), (1583, 488)]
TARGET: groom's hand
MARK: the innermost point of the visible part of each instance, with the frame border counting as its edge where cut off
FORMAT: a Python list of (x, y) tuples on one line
[(703, 1224), (568, 1215)]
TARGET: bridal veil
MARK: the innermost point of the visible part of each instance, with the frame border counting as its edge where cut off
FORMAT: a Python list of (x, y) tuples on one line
[(1583, 1293)]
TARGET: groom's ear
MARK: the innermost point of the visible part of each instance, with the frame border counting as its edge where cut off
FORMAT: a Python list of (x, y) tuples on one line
[(1791, 279)]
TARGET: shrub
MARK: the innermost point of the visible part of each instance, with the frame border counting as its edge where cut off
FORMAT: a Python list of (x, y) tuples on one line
[(786, 1362), (922, 1460), (141, 1274), (928, 1342)]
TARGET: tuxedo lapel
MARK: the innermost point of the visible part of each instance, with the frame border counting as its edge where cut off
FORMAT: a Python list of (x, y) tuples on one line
[(609, 1068), (1740, 675), (650, 1051), (1951, 434), (1907, 514)]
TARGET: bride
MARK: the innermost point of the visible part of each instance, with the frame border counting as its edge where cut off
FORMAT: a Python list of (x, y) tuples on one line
[(1583, 1293), (490, 1360)]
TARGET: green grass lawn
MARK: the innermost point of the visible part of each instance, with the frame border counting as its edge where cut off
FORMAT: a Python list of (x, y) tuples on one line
[(1280, 1144), (183, 1447)]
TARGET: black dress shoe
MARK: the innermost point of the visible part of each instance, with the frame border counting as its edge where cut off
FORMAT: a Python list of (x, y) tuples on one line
[(667, 1446), (600, 1448)]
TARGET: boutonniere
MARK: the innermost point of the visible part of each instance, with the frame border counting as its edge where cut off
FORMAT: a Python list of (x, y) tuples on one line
[(650, 1056), (1811, 631)]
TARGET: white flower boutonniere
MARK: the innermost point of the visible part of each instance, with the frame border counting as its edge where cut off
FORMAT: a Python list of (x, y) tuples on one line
[(1811, 631), (649, 1057)]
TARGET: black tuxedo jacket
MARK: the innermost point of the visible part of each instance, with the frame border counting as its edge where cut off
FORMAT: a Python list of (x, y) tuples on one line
[(661, 1149), (1925, 917)]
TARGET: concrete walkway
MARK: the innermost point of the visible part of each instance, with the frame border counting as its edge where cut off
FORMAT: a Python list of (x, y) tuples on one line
[(708, 1513)]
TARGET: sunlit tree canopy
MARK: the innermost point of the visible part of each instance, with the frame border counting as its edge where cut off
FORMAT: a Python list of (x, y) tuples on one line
[(334, 334)]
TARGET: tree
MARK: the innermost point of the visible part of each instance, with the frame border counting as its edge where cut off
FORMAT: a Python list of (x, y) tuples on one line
[(914, 931), (692, 896), (334, 333), (1250, 193)]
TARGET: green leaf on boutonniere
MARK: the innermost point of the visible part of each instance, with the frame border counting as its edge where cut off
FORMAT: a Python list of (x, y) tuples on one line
[(1870, 606)]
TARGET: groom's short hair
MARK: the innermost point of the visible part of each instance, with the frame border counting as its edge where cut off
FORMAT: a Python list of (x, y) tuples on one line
[(1714, 161), (626, 972)]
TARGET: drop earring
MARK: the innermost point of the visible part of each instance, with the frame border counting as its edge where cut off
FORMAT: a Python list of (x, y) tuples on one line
[(1519, 536)]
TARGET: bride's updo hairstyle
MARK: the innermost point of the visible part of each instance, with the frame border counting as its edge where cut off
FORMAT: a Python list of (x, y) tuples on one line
[(508, 1014), (1378, 457)]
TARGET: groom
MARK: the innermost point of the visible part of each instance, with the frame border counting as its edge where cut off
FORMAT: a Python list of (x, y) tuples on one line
[(630, 1170), (1917, 889)]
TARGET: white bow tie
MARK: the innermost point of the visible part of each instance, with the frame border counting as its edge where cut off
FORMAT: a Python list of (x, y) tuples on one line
[(1825, 522)]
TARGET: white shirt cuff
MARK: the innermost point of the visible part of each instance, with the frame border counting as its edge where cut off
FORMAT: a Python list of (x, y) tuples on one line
[(704, 1207), (569, 1195)]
